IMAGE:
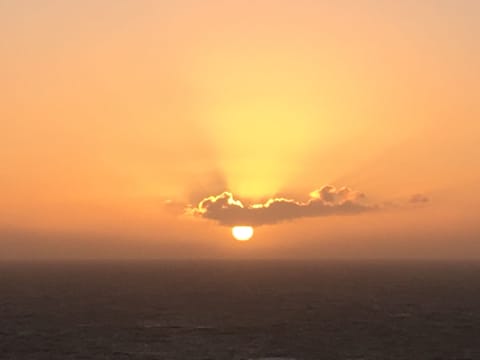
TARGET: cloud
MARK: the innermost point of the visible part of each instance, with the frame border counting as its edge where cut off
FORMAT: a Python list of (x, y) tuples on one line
[(419, 199), (327, 201)]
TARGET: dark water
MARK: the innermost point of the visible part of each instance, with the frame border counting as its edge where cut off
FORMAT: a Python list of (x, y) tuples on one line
[(240, 310)]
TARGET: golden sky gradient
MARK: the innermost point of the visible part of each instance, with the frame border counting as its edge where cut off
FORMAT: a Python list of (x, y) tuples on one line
[(116, 115)]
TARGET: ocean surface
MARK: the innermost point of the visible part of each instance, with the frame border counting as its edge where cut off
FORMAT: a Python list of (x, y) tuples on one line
[(240, 310)]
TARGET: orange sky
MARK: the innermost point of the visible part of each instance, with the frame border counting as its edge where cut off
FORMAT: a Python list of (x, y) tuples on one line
[(110, 108)]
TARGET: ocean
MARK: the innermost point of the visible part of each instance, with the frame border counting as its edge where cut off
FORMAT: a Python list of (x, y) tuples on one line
[(240, 310)]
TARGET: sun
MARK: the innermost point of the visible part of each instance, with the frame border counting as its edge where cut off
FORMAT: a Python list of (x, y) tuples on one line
[(242, 233)]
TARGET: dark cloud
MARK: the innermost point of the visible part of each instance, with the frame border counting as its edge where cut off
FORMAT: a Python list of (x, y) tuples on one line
[(419, 198), (327, 201)]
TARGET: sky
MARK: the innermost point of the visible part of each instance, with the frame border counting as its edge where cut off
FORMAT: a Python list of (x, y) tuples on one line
[(146, 129)]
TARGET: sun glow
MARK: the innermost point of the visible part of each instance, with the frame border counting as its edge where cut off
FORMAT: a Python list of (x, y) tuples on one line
[(242, 233)]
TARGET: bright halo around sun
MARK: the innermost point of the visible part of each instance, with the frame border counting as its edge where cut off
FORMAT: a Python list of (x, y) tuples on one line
[(242, 233)]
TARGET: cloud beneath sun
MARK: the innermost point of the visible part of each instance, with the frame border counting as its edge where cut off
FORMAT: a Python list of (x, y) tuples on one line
[(327, 201)]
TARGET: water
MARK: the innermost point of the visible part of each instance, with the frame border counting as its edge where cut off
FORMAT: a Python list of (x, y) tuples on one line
[(240, 310)]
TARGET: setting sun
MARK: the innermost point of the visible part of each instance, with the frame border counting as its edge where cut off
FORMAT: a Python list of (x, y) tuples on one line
[(138, 138), (242, 233)]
